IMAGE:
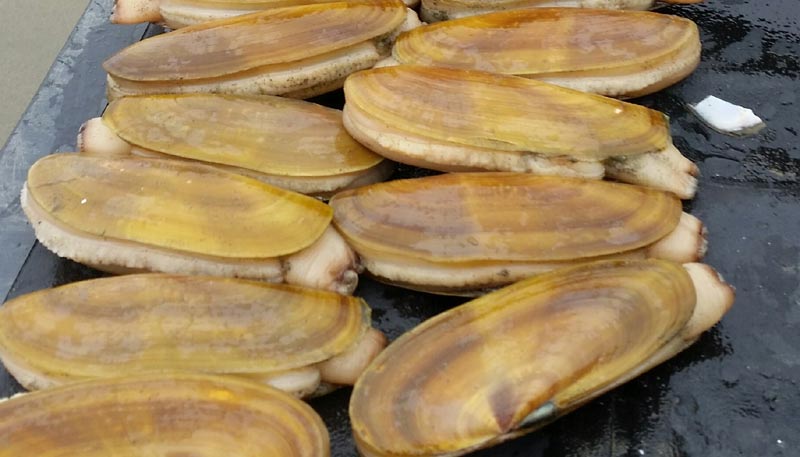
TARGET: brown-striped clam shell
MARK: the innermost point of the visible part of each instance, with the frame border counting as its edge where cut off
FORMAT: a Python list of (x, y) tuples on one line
[(293, 144), (464, 232), (513, 360), (176, 14), (128, 325), (170, 414), (442, 10), (614, 53), (298, 51), (135, 214), (460, 120)]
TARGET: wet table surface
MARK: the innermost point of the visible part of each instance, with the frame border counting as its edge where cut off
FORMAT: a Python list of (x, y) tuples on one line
[(735, 392)]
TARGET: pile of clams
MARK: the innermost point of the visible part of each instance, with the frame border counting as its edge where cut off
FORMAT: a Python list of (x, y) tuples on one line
[(203, 185)]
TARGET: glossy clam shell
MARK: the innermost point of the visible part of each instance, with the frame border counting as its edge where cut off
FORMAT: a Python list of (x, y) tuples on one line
[(182, 13), (179, 414), (482, 217), (505, 113), (255, 41), (565, 43), (469, 377), (154, 323), (441, 10), (175, 205), (270, 135)]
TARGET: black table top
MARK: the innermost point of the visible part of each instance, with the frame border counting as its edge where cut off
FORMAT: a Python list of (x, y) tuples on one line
[(735, 392)]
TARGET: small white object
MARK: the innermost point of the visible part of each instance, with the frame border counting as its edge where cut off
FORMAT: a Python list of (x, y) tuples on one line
[(727, 117)]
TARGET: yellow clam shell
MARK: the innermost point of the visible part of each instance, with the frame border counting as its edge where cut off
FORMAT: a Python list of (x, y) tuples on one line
[(176, 414), (441, 10), (484, 217), (470, 377), (616, 53), (128, 325), (490, 112), (174, 205), (182, 13), (302, 50), (270, 135)]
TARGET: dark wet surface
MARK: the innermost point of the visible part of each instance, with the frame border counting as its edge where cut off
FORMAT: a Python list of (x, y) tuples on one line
[(735, 392)]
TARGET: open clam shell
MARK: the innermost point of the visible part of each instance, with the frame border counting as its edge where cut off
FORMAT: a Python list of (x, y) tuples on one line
[(442, 10), (126, 325), (614, 53), (466, 232), (175, 414), (289, 143), (176, 14), (460, 120), (297, 51), (138, 214), (511, 361)]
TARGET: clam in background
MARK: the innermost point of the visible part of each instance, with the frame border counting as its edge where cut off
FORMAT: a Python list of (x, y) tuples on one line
[(182, 13), (128, 215), (161, 415), (298, 52), (462, 120), (513, 360), (442, 10), (464, 233), (302, 341), (621, 54), (293, 144)]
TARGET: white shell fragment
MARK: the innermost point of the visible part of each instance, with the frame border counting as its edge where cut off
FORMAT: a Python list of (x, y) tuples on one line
[(726, 117)]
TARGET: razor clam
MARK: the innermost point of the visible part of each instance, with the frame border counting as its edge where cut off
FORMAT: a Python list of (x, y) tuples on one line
[(461, 120), (182, 13), (510, 362), (621, 54), (463, 233), (288, 143), (298, 51), (442, 10), (135, 214), (289, 337), (178, 414)]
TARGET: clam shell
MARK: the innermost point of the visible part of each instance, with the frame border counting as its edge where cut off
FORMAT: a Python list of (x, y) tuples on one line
[(135, 324), (495, 112), (182, 13), (268, 135), (441, 10), (178, 414), (298, 46), (472, 376), (617, 53), (484, 217), (174, 205)]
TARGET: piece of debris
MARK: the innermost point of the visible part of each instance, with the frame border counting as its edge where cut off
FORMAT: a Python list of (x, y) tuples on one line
[(725, 117)]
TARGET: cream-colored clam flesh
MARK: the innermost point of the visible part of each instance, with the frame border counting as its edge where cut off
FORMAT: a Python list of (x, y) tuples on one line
[(289, 143), (513, 360), (176, 14), (134, 324), (464, 233), (462, 120), (620, 54), (442, 10), (135, 214), (295, 51), (162, 415)]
